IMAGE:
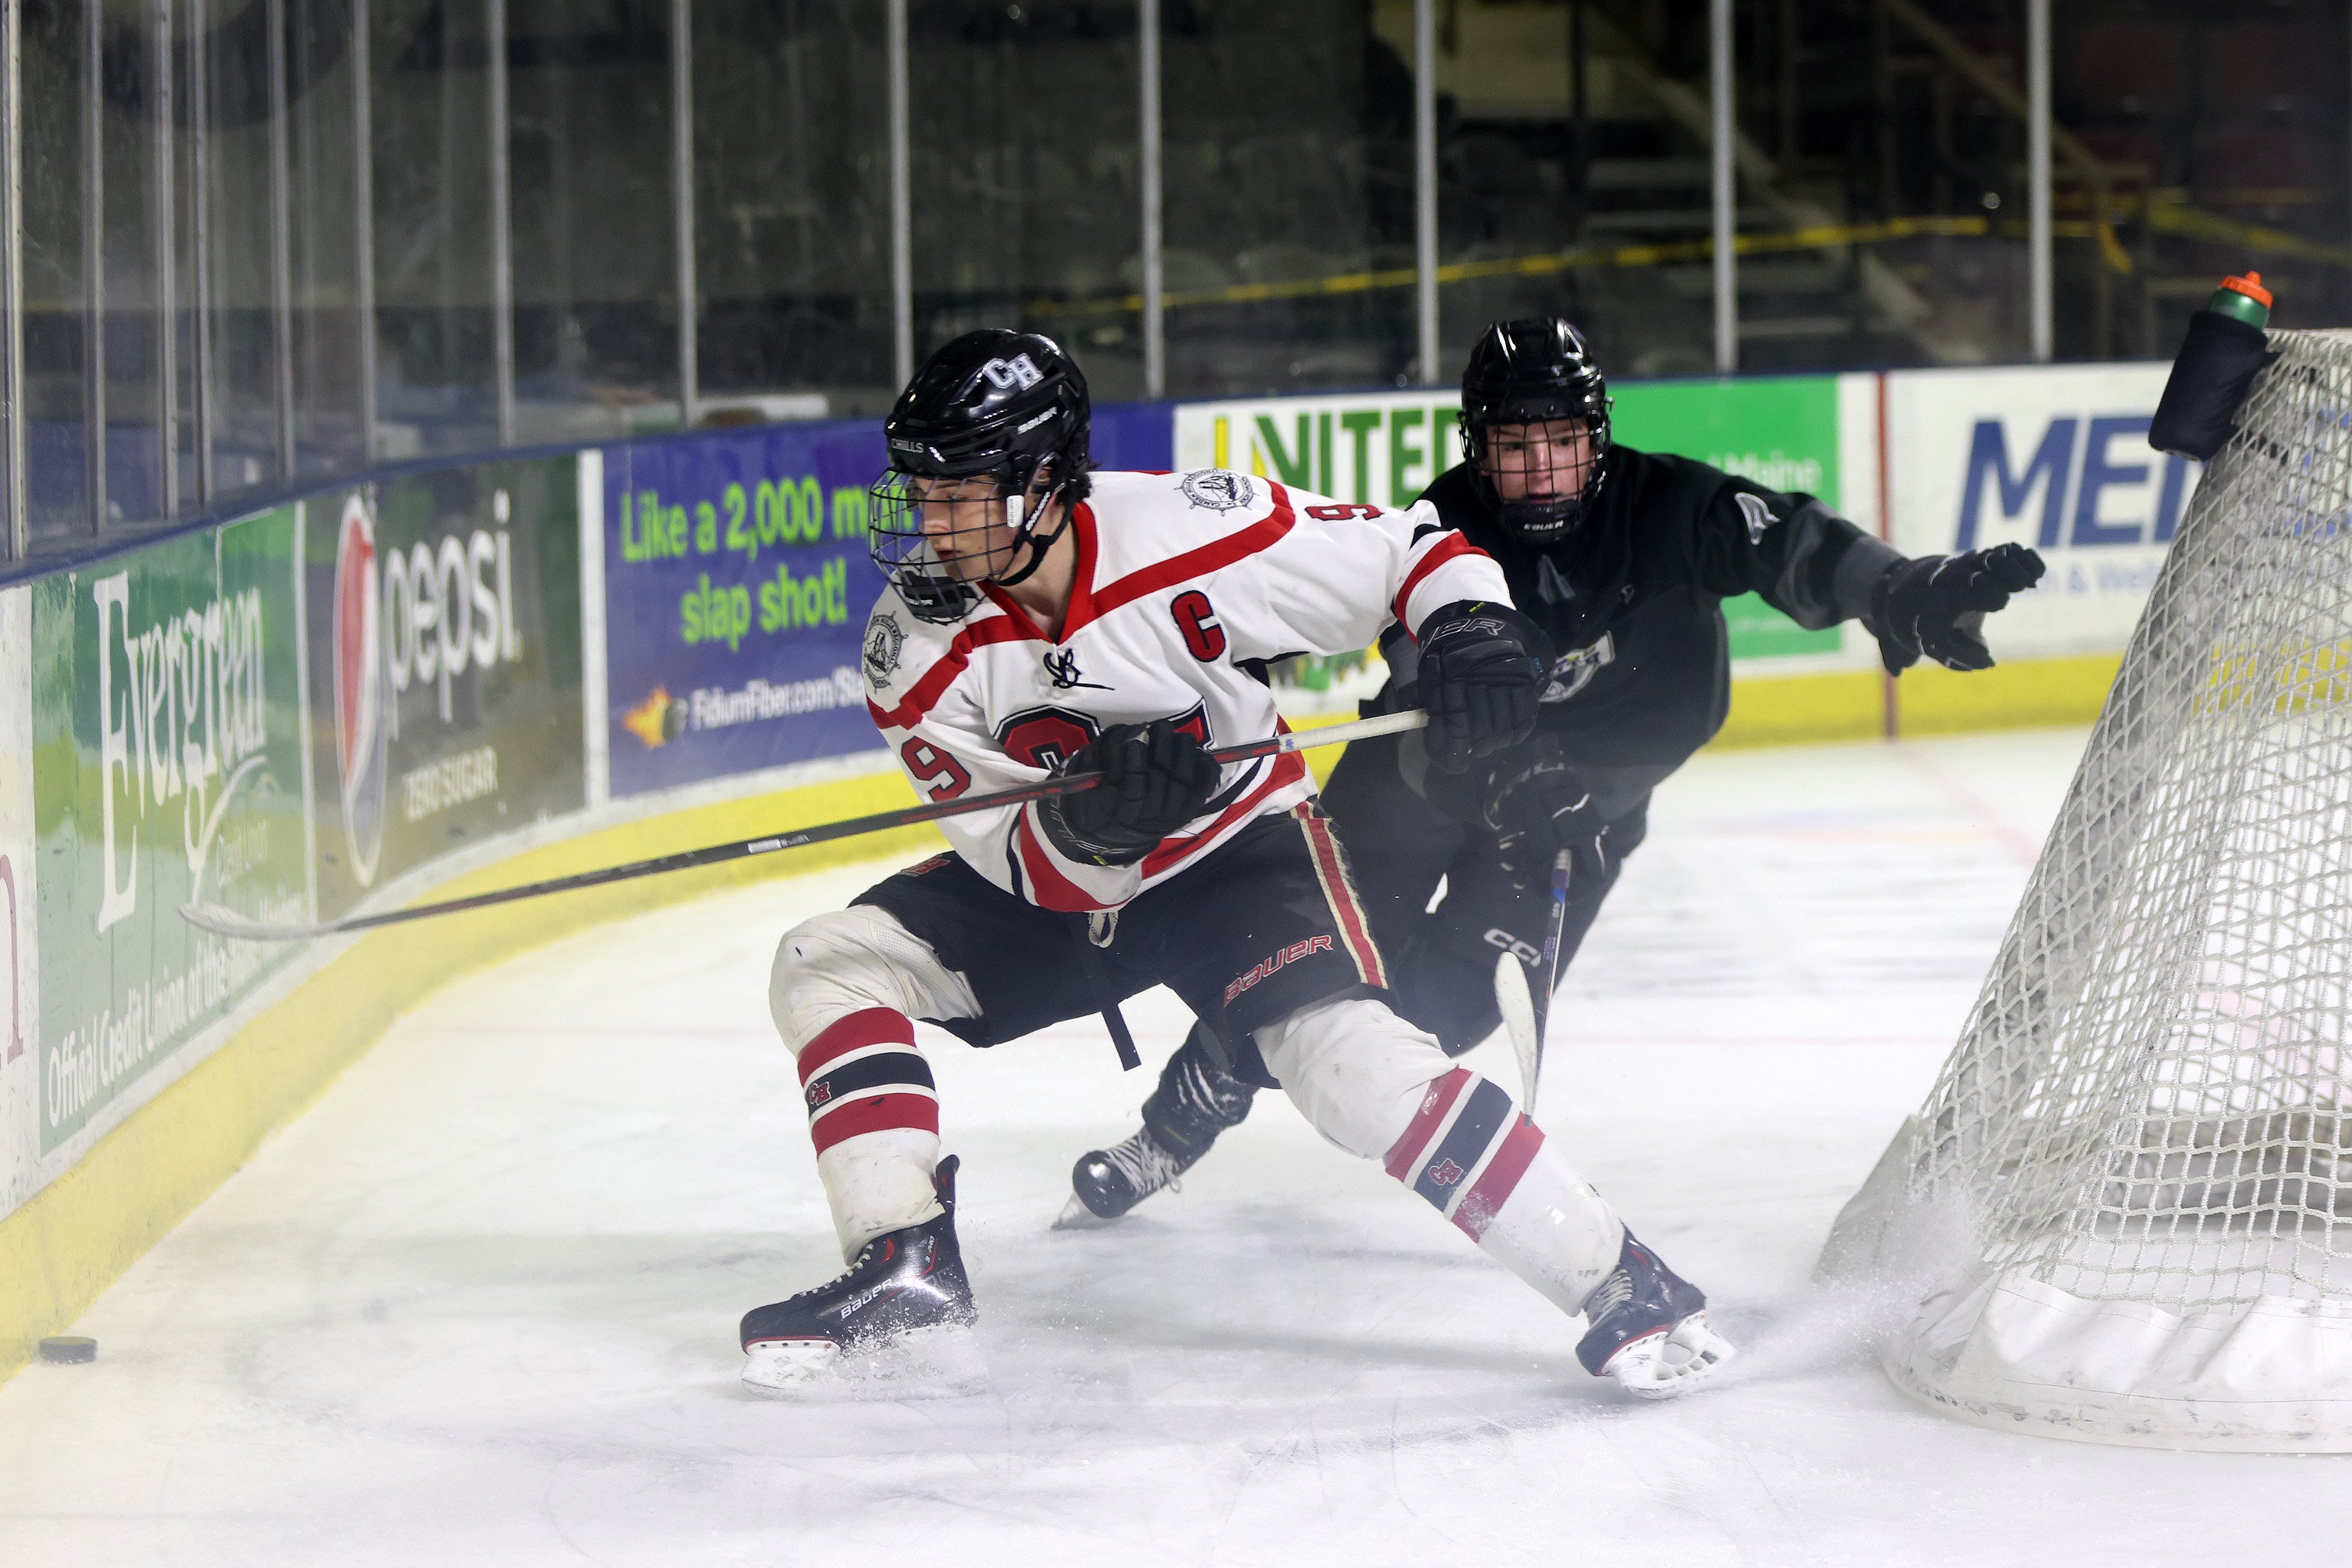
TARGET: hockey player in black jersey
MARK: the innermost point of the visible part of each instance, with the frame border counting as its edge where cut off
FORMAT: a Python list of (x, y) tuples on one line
[(1624, 558)]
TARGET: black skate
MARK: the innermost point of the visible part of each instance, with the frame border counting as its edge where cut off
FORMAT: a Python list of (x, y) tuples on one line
[(899, 1312), (1648, 1328), (1195, 1101)]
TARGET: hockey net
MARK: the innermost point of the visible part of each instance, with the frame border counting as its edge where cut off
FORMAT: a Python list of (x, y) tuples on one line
[(2127, 1206)]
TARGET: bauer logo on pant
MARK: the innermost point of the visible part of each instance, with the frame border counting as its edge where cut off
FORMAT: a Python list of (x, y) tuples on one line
[(1265, 966)]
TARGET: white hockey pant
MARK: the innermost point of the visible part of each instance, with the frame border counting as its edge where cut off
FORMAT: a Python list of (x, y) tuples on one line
[(845, 985)]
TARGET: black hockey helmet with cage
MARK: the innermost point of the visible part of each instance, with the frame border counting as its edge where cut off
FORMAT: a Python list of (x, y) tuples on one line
[(1531, 371), (992, 403)]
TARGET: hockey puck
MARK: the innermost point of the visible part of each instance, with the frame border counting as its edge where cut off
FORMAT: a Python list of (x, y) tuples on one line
[(69, 1349)]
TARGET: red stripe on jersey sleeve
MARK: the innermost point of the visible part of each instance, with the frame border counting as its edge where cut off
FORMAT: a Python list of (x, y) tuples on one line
[(1052, 890), (1405, 1156), (1211, 557), (940, 675), (1447, 548), (1485, 1199), (854, 1032)]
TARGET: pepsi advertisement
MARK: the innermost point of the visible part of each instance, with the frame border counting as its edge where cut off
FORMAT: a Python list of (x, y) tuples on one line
[(445, 701), (737, 586)]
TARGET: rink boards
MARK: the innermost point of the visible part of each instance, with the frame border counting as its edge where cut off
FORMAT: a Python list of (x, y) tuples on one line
[(460, 677)]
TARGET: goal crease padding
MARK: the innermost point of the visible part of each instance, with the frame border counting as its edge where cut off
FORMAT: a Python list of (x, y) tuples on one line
[(2132, 1185)]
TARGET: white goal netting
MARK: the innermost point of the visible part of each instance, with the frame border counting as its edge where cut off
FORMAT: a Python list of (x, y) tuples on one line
[(2145, 1134)]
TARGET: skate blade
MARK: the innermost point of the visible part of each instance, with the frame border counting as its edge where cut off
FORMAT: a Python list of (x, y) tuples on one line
[(942, 1363), (1670, 1365), (1075, 1215)]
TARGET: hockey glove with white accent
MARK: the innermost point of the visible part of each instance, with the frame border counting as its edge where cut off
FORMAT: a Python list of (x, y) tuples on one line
[(1538, 805), (1156, 778), (1482, 667), (1933, 605)]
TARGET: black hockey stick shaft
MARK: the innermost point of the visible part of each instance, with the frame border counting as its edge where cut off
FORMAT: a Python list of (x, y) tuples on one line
[(226, 922)]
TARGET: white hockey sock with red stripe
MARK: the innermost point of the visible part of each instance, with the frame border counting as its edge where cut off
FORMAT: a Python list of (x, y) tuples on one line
[(874, 1116), (1487, 1168)]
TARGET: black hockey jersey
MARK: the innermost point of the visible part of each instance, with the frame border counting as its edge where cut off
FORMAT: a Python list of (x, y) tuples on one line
[(1633, 602)]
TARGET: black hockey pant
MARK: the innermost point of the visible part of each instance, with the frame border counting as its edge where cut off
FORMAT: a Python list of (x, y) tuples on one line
[(1440, 962)]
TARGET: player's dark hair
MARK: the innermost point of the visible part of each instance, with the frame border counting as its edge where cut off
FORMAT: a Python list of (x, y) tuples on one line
[(1530, 372), (992, 403)]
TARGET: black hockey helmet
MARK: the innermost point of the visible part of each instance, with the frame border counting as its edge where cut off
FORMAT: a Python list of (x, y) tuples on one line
[(1531, 371), (993, 404)]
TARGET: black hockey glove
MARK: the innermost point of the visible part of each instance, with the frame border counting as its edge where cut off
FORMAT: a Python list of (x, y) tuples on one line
[(1538, 805), (1482, 667), (1156, 779), (1933, 605)]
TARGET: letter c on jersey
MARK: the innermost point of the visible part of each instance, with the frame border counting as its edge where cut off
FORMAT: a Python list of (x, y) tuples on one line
[(1197, 619)]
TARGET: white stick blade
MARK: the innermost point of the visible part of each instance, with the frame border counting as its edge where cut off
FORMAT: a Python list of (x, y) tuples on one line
[(227, 922), (1517, 1006)]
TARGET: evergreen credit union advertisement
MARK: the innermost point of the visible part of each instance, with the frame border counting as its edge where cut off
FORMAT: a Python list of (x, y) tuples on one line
[(167, 768), (737, 586), (444, 665), (1386, 447)]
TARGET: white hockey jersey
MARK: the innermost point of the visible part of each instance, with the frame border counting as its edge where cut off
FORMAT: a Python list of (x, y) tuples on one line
[(1182, 580)]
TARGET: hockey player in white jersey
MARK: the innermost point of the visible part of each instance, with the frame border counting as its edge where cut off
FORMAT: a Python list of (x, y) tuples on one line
[(1042, 616)]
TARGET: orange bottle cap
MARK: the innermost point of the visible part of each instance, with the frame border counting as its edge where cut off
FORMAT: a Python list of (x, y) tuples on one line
[(2251, 285)]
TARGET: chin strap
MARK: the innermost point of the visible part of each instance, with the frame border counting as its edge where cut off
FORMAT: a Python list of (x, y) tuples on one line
[(1037, 547)]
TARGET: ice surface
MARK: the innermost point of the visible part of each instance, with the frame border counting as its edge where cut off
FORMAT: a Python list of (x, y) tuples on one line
[(479, 1305)]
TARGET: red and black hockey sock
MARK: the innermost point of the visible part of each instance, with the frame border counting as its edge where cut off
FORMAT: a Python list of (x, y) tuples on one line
[(1466, 1150), (864, 1074)]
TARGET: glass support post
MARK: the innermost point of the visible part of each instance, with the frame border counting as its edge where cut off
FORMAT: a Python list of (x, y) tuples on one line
[(902, 235), (1725, 180), (363, 222), (1155, 277), (166, 229), (682, 82), (503, 349), (281, 243), (19, 521), (93, 258), (2039, 261), (1425, 183), (201, 406)]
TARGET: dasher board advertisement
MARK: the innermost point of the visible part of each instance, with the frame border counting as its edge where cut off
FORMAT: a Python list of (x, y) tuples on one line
[(20, 1131), (168, 767), (1385, 447), (445, 656), (737, 587), (2055, 456)]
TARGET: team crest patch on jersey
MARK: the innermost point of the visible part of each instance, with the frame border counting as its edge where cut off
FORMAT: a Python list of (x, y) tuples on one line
[(885, 640), (1217, 489), (1572, 672), (1760, 516)]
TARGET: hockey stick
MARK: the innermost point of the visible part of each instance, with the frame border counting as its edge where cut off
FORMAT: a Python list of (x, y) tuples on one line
[(229, 923), (1525, 1014)]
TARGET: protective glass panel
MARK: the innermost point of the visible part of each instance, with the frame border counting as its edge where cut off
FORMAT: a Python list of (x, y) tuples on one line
[(56, 339), (1023, 150), (792, 208), (435, 381), (1289, 207), (595, 256)]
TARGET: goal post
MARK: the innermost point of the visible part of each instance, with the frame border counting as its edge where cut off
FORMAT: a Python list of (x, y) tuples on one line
[(2125, 1212)]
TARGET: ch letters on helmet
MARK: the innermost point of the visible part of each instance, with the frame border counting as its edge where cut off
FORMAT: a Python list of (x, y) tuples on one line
[(1005, 374)]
